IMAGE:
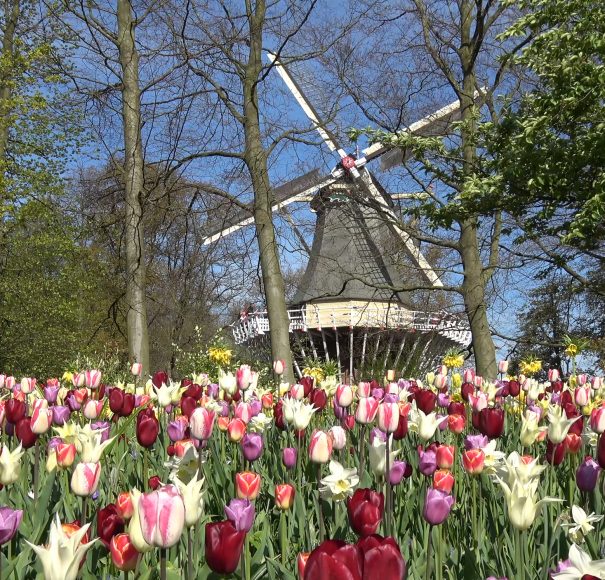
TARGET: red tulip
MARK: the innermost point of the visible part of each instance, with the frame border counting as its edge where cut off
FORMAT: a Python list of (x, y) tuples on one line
[(307, 383), (455, 408), (188, 405), (426, 401), (573, 443), (318, 398), (147, 429), (601, 451), (443, 480), (555, 454), (491, 422), (15, 410), (571, 411), (247, 485), (514, 388), (125, 507), (456, 423), (109, 523), (23, 431), (123, 554), (402, 427), (466, 390), (365, 509), (381, 558), (223, 546), (335, 559), (473, 461), (154, 482), (445, 455), (284, 496), (159, 378)]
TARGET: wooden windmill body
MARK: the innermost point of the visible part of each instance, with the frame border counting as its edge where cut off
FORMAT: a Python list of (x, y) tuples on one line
[(349, 307)]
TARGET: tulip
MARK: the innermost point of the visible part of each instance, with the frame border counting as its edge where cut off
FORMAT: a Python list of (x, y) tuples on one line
[(437, 506), (28, 385), (289, 456), (582, 396), (320, 447), (587, 475), (15, 410), (363, 389), (597, 420), (335, 559), (491, 422), (267, 401), (427, 461), (377, 451), (236, 430), (10, 464), (227, 382), (443, 480), (66, 454), (367, 408), (42, 418), (241, 513), (162, 514), (559, 425), (252, 446), (339, 437), (456, 423), (136, 369), (284, 496), (123, 553), (530, 431), (388, 417), (365, 509), (24, 433), (440, 382), (381, 558), (445, 455), (399, 470), (502, 366), (572, 443), (124, 505), (223, 546), (478, 402), (600, 451), (279, 366), (176, 429), (297, 392), (148, 428), (134, 526), (247, 485), (92, 409), (109, 523), (50, 392), (9, 522), (473, 461), (60, 414), (92, 379), (318, 398), (85, 478), (426, 401), (154, 482), (193, 498), (62, 556), (344, 395), (201, 423)]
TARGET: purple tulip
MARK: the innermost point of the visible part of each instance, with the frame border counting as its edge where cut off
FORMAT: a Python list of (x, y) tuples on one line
[(339, 412), (587, 474), (224, 409), (72, 403), (212, 391), (443, 400), (427, 462), (378, 394), (9, 428), (252, 446), (53, 443), (397, 472), (50, 393), (377, 433), (390, 398), (176, 430), (437, 506), (241, 513), (9, 522), (255, 407), (443, 424), (475, 441), (60, 414), (289, 455), (102, 426)]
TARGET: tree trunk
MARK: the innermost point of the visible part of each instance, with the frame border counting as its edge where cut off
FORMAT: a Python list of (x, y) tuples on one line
[(474, 279), (255, 157), (138, 341), (11, 16)]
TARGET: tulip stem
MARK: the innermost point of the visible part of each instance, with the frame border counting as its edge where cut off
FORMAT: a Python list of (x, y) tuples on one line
[(362, 457), (429, 556), (283, 536), (320, 513), (387, 485), (519, 548), (189, 555), (84, 505), (36, 468), (162, 563), (145, 469)]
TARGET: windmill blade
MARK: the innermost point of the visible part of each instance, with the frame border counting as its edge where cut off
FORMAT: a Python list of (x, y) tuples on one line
[(435, 124), (387, 210), (306, 105), (298, 189)]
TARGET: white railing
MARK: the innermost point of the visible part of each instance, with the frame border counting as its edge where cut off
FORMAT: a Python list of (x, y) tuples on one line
[(370, 315)]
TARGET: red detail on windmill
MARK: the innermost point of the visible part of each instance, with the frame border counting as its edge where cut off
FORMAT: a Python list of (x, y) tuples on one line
[(348, 162)]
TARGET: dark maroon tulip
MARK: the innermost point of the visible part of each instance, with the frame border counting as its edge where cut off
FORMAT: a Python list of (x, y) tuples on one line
[(24, 433), (514, 388), (455, 408), (188, 405), (154, 482), (223, 546), (557, 386), (109, 523), (128, 405), (365, 509), (194, 391), (318, 398), (587, 475), (159, 378), (335, 559), (555, 454), (382, 558), (116, 400), (307, 383), (571, 411), (466, 390), (186, 383), (278, 413), (426, 400), (601, 451), (15, 410), (402, 427), (476, 420), (491, 421), (147, 430), (566, 399)]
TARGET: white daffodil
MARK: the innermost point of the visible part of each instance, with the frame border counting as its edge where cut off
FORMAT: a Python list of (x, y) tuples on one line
[(10, 464), (559, 424), (378, 460), (582, 524), (581, 565), (259, 423), (423, 424), (62, 556), (340, 483), (530, 430), (193, 498)]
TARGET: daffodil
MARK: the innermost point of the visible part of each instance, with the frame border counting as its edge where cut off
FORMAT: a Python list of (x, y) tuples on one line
[(259, 423), (493, 457), (340, 483), (582, 524)]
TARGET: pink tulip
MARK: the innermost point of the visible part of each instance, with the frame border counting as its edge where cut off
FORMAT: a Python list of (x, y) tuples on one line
[(597, 383), (502, 366), (85, 478), (42, 417), (582, 379), (440, 381), (441, 370), (597, 420), (2, 380), (364, 389), (344, 395), (78, 379), (366, 410), (279, 366), (553, 375), (243, 411), (136, 369), (92, 379), (388, 417), (478, 402), (582, 396), (28, 385), (320, 447), (162, 514), (297, 392), (469, 376), (243, 377), (201, 423), (478, 381), (92, 409), (9, 383)]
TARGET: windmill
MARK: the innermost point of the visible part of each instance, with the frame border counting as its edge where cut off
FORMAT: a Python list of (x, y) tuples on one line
[(345, 308)]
